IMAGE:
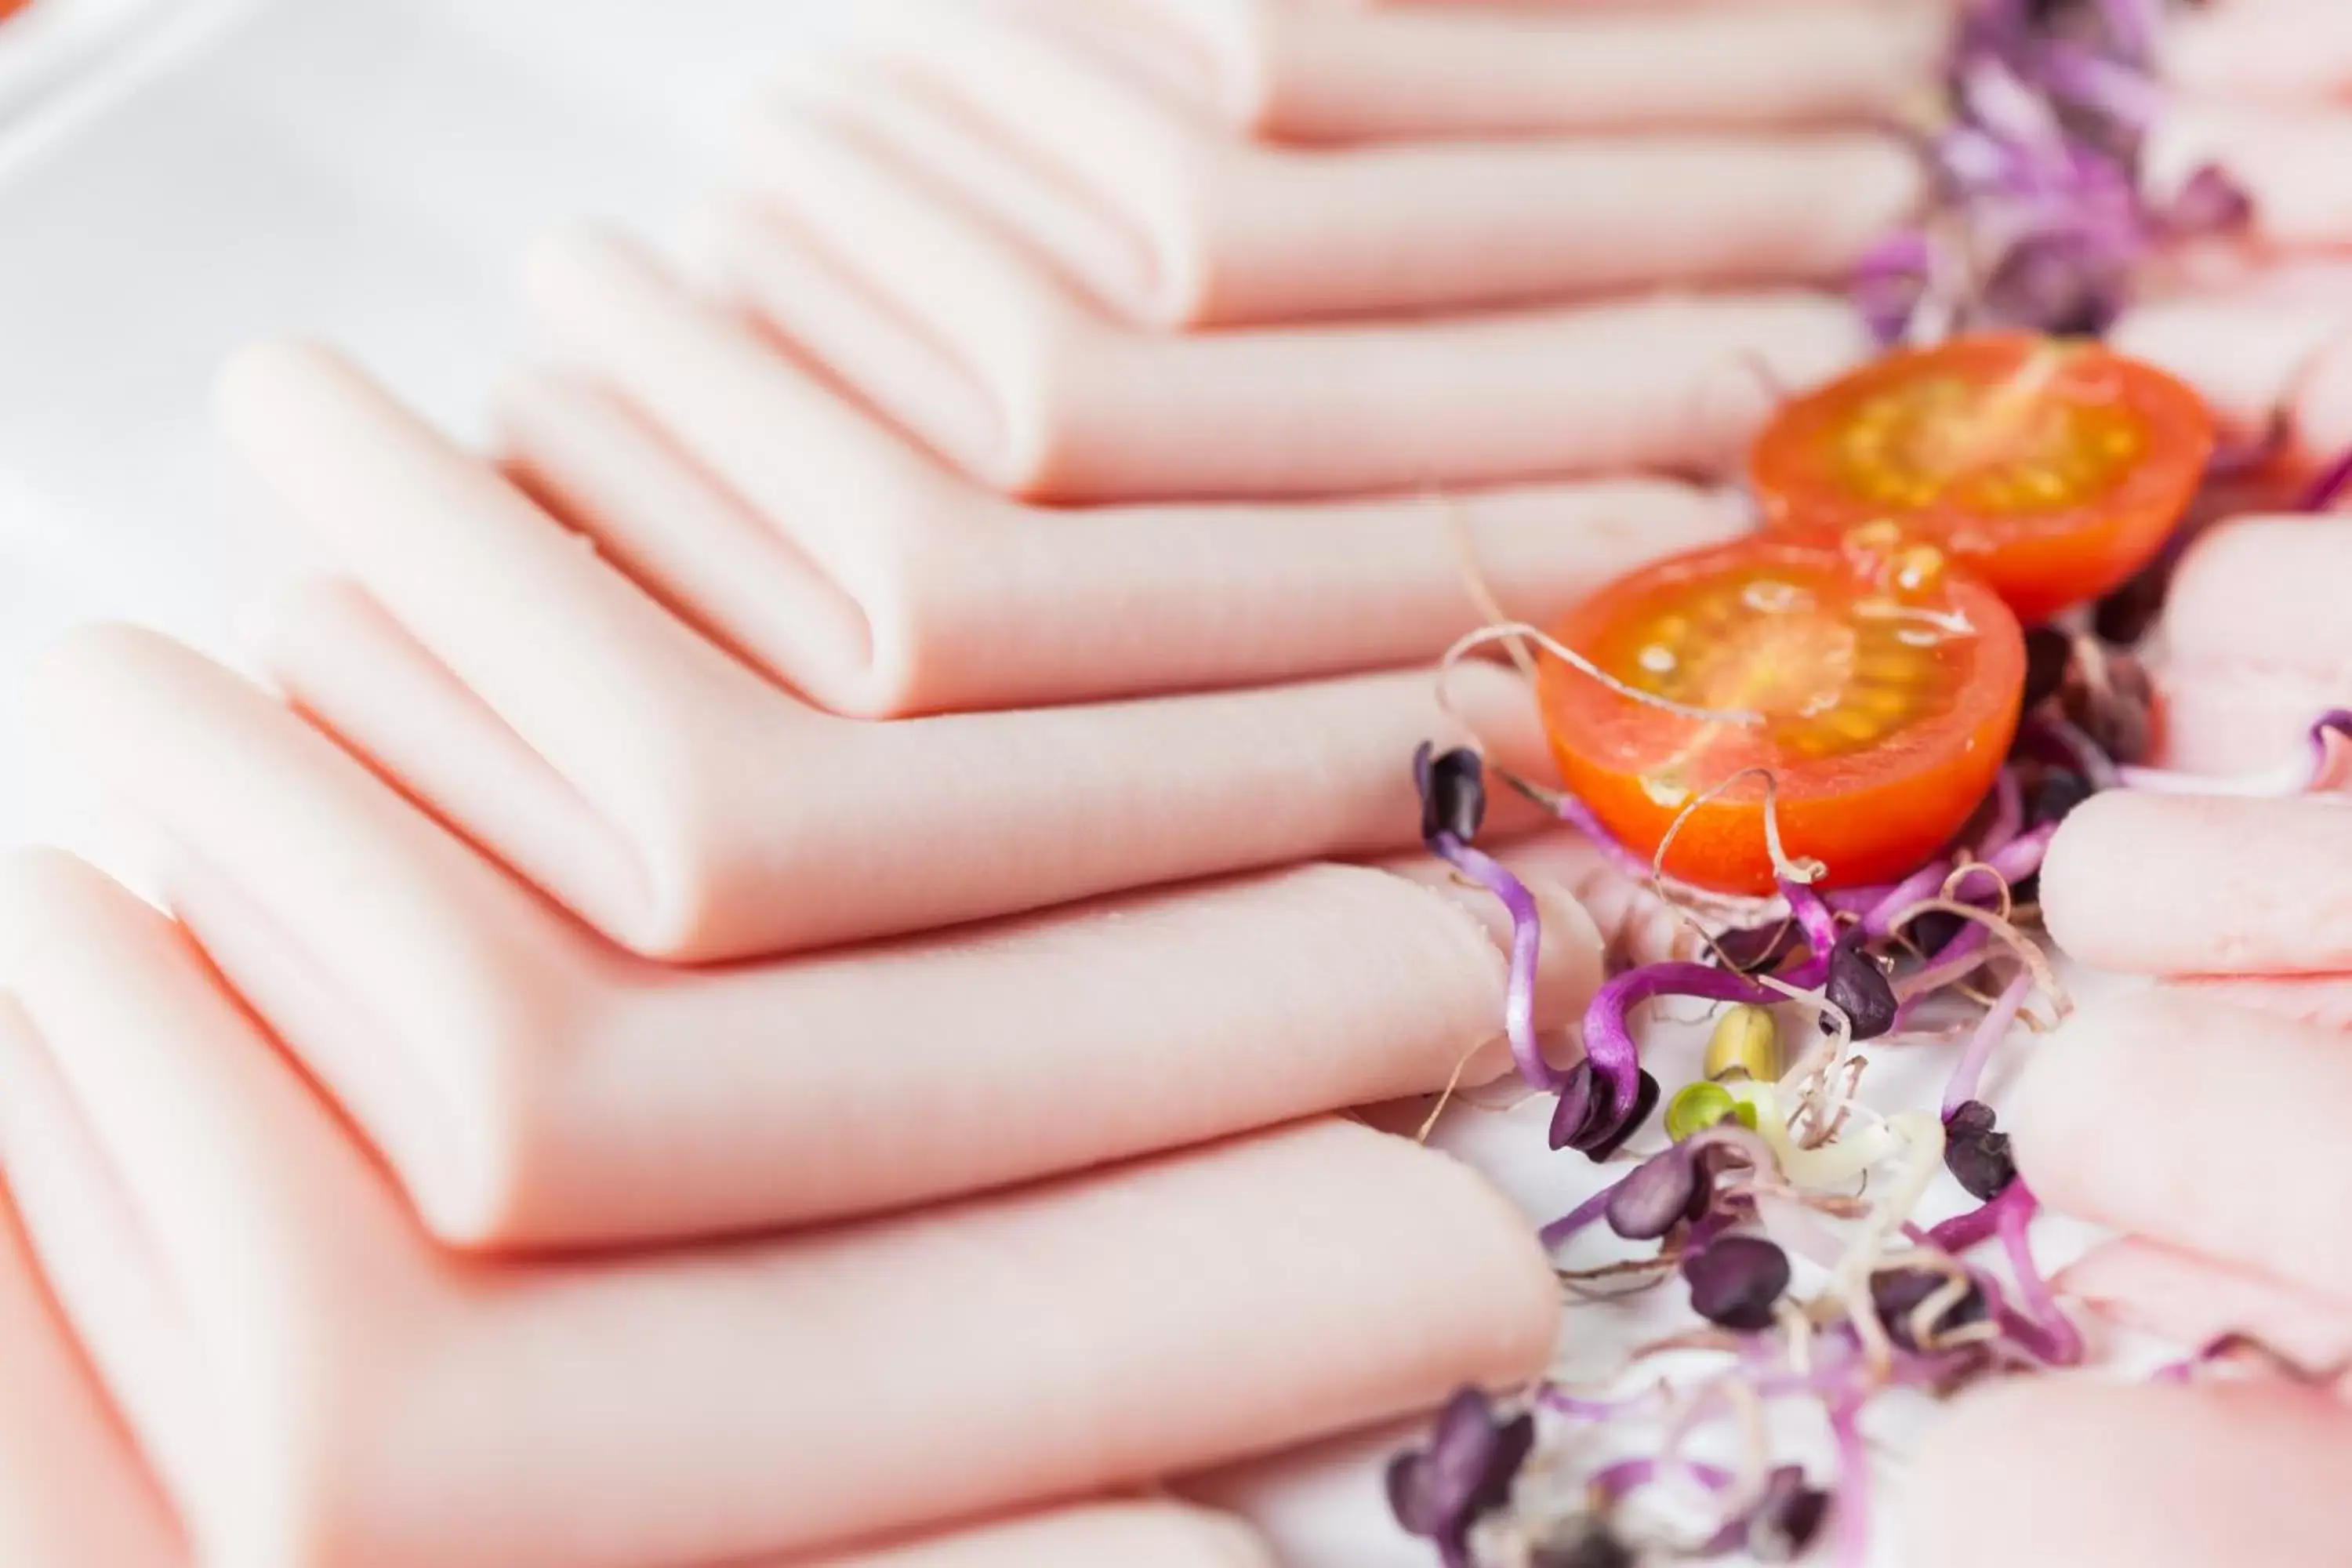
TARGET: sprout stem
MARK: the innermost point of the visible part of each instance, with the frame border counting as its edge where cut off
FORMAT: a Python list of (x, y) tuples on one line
[(1995, 1026), (2012, 1223), (1961, 1232), (1527, 953), (2297, 777)]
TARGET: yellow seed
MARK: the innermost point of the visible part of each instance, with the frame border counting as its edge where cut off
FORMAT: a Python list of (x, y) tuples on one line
[(1878, 536), (1918, 567), (1847, 724), (1890, 669), (1883, 703), (1746, 1044), (2045, 485)]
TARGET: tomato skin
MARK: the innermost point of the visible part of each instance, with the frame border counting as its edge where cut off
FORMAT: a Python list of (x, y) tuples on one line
[(1873, 815), (2040, 557)]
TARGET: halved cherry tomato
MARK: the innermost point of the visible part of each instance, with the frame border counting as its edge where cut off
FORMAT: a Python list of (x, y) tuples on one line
[(2053, 469), (1887, 686)]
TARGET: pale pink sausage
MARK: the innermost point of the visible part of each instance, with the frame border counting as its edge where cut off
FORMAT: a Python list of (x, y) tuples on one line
[(1170, 222), (2255, 589), (2323, 1001), (967, 339), (2290, 158), (2260, 51), (1327, 1504), (551, 709), (2193, 1301), (1104, 1535), (1347, 72), (2256, 360), (318, 1383), (2084, 1474), (532, 1085), (2255, 648), (2171, 884), (2197, 1125), (791, 523), (72, 1489)]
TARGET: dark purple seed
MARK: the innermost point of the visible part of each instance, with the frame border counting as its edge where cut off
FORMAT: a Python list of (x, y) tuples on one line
[(2057, 796), (1976, 1153), (1933, 932), (2126, 616), (1737, 1282), (1645, 1101), (2047, 655), (1861, 988), (1412, 1497), (1973, 1119), (1465, 1471), (1898, 1293), (1757, 950), (1453, 792), (1656, 1197), (1583, 1543), (1582, 1097), (2116, 714), (1482, 1477), (1788, 1519)]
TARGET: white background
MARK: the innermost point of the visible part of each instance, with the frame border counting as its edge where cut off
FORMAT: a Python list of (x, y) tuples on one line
[(178, 175)]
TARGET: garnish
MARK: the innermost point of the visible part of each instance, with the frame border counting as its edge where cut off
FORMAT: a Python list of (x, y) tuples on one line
[(1453, 806), (1888, 686), (1831, 755), (1737, 1282), (1746, 1042), (1465, 1473), (2044, 216), (2052, 469), (2298, 776)]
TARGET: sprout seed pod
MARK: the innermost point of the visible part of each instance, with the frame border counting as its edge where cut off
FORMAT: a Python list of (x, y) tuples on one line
[(1746, 1044)]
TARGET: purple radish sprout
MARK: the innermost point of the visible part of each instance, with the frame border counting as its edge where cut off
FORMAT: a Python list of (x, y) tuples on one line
[(1850, 1503), (1621, 1480), (1738, 1282), (2041, 1309), (1609, 1045), (1977, 1152), (1453, 806), (1963, 1232), (2328, 488), (2303, 773), (1990, 1032), (1465, 1472)]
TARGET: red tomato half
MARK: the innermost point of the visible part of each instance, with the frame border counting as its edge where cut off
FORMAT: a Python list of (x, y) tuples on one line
[(1887, 688), (2051, 468)]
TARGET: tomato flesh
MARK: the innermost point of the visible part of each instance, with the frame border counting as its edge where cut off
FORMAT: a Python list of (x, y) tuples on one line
[(2053, 470), (1887, 687)]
